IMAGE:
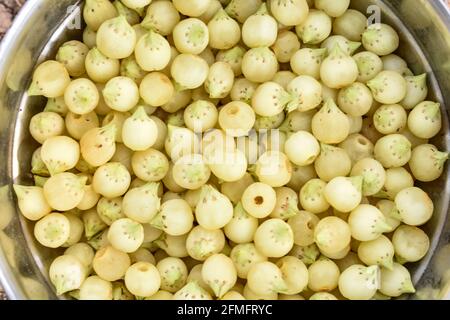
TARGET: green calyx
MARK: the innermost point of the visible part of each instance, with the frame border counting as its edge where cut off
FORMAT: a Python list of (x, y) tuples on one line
[(85, 167), (383, 194), (65, 53), (215, 89), (365, 64), (371, 34), (239, 212), (337, 52), (52, 231), (120, 22), (440, 158), (395, 214), (156, 166), (193, 290), (291, 102), (308, 35), (176, 119), (280, 287), (407, 286), (56, 105), (262, 52), (98, 241), (149, 24), (383, 117), (218, 288), (21, 191), (353, 46), (291, 210), (82, 180), (110, 213), (387, 262), (310, 254), (158, 221), (141, 11), (420, 80), (243, 254), (351, 94), (372, 274), (122, 10), (330, 107), (371, 183), (196, 172), (198, 108), (62, 286), (266, 122), (231, 9), (325, 148), (133, 229), (207, 193), (131, 69), (286, 126), (152, 39), (118, 293), (34, 89), (202, 248), (233, 55), (111, 91), (402, 147), (150, 189), (196, 33), (97, 56), (40, 181), (115, 169), (39, 168), (323, 238), (93, 227), (171, 131), (140, 114), (74, 294), (161, 242), (281, 231), (377, 84), (45, 121), (178, 87), (319, 53), (381, 226), (400, 259), (84, 97), (262, 10), (173, 277), (221, 15), (432, 110), (55, 167), (312, 189), (357, 182)]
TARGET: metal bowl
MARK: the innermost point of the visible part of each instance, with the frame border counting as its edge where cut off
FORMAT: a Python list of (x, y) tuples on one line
[(43, 25)]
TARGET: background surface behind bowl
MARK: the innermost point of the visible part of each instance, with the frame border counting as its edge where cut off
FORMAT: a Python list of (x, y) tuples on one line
[(8, 10)]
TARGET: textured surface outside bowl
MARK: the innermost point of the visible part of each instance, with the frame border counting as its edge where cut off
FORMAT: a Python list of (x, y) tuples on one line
[(44, 24), (8, 10)]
